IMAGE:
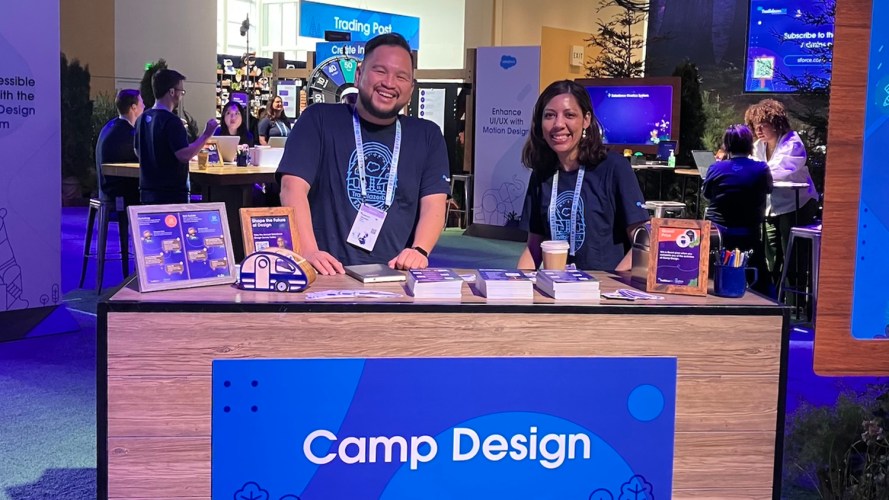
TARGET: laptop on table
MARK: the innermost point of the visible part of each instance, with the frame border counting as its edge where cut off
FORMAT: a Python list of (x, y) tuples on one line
[(703, 159)]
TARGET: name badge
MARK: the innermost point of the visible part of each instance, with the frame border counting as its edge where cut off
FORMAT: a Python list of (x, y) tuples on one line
[(366, 227)]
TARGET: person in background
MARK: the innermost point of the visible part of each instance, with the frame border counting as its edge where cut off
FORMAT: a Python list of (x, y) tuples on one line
[(234, 123), (598, 190), (354, 171), (274, 122), (116, 145), (738, 188), (783, 150), (162, 143)]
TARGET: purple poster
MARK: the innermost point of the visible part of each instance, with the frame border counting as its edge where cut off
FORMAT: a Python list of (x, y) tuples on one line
[(271, 231), (641, 114), (678, 256), (182, 246)]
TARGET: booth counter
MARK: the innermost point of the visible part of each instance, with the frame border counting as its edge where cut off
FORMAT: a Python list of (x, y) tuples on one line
[(155, 352)]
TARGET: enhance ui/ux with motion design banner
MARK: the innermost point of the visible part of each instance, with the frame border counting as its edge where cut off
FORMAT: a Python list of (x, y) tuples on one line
[(789, 46), (468, 428)]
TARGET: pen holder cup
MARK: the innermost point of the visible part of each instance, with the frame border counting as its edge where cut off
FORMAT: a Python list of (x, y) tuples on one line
[(731, 281)]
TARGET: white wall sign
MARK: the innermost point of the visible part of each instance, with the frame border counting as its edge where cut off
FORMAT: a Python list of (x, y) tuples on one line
[(432, 106), (507, 84)]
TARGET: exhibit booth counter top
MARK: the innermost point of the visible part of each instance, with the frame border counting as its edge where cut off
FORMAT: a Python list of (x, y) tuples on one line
[(158, 352)]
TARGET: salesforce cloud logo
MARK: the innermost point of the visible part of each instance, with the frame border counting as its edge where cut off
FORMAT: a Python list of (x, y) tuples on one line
[(507, 62)]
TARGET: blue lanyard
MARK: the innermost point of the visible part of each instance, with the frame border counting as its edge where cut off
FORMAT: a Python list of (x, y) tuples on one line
[(572, 231), (281, 128), (393, 168)]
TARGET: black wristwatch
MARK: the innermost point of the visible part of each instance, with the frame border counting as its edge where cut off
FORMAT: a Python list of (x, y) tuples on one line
[(423, 252)]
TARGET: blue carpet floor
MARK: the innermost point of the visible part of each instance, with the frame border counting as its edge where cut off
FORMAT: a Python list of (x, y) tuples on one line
[(47, 384)]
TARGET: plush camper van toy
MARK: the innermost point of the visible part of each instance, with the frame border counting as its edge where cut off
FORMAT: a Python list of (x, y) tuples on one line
[(276, 270)]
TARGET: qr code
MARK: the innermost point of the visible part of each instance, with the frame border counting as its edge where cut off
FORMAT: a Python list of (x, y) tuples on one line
[(261, 245), (764, 68)]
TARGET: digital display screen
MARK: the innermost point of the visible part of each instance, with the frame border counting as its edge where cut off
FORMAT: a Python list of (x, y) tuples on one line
[(789, 46), (634, 115)]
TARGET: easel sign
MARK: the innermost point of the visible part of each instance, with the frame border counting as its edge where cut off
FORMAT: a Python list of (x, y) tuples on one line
[(213, 154), (265, 228), (181, 246), (678, 256)]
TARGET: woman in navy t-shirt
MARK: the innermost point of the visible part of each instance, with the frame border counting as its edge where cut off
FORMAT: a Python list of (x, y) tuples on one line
[(274, 122)]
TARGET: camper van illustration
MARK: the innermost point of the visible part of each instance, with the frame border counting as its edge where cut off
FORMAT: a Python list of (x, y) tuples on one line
[(271, 271)]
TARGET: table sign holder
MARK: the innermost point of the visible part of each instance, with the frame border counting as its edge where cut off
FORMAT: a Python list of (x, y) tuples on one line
[(679, 256), (264, 228), (181, 246), (213, 158)]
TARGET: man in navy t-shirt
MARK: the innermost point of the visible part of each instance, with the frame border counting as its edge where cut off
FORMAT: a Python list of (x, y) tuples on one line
[(162, 143), (367, 185), (115, 145)]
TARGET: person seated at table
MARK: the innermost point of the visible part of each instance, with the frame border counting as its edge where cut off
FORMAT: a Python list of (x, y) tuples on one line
[(738, 188), (162, 143), (598, 200), (274, 122), (115, 145), (783, 150), (234, 123)]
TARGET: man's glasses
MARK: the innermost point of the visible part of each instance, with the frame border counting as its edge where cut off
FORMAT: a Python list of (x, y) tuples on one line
[(179, 90)]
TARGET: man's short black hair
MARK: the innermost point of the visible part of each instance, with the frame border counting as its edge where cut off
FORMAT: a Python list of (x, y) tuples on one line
[(126, 99), (390, 39), (164, 80)]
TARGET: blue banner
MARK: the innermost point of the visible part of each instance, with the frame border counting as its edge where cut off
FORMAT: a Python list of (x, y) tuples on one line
[(326, 50), (870, 302), (468, 428), (316, 18)]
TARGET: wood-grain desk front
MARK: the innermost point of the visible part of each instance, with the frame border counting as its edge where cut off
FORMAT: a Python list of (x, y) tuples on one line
[(156, 350)]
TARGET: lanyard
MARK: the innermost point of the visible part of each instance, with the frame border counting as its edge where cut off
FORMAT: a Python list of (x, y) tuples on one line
[(393, 167), (281, 128), (572, 231)]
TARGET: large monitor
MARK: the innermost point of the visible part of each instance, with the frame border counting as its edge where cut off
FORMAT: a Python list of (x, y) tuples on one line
[(636, 113), (789, 46)]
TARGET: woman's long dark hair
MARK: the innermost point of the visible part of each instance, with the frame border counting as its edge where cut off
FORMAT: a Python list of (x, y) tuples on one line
[(538, 156), (270, 113), (243, 131)]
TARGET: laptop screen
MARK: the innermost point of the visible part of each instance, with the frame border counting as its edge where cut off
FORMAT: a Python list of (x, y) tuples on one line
[(664, 148), (703, 160)]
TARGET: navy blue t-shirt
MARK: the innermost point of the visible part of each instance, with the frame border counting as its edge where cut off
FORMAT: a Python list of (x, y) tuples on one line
[(159, 134), (610, 201), (277, 128), (737, 189), (321, 150), (116, 145)]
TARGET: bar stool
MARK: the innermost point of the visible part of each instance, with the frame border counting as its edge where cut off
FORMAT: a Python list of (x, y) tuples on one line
[(102, 211), (463, 212), (662, 208), (813, 234)]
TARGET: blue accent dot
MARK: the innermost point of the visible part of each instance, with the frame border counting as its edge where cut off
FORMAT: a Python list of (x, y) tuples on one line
[(645, 403), (227, 383), (226, 409), (254, 383), (254, 409)]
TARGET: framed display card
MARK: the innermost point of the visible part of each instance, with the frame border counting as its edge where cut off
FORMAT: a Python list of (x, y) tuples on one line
[(181, 246), (264, 228), (213, 153), (679, 256)]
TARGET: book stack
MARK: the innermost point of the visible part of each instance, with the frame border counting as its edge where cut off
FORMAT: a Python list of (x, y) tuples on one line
[(434, 284), (568, 284), (504, 284)]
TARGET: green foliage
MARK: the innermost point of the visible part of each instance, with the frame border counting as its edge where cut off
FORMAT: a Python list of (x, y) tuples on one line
[(145, 84), (76, 116), (839, 452), (718, 116), (619, 46), (692, 119)]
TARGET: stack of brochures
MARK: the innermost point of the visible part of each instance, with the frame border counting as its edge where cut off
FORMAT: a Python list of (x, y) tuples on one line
[(434, 284), (504, 284), (568, 284)]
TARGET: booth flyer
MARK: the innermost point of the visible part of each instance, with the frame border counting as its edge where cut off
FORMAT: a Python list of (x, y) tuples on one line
[(179, 247), (271, 231), (678, 256), (204, 239)]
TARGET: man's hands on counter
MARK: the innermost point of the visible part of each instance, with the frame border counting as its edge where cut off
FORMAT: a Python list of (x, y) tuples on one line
[(409, 258)]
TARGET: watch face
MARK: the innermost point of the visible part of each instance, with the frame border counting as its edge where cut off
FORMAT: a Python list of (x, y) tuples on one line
[(331, 78)]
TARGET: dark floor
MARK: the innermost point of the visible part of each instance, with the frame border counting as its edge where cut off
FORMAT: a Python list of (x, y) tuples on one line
[(47, 383)]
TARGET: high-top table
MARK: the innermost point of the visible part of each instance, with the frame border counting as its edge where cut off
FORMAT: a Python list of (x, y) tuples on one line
[(156, 350)]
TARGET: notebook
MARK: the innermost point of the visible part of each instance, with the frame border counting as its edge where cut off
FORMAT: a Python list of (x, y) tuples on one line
[(703, 160), (374, 273)]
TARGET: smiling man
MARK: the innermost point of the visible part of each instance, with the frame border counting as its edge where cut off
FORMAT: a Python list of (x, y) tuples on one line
[(367, 185)]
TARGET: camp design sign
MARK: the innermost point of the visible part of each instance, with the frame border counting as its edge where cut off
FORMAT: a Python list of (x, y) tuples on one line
[(467, 428)]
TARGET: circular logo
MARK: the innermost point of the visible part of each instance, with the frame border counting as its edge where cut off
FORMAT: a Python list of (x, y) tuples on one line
[(171, 221), (562, 228), (377, 162), (685, 240)]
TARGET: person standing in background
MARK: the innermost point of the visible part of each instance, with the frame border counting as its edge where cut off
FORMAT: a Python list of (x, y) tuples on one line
[(783, 150), (116, 145), (162, 143), (274, 122)]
